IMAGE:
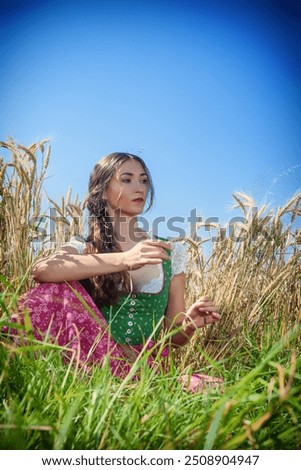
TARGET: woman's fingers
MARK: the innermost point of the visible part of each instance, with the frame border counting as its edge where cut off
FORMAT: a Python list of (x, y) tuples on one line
[(201, 317), (200, 322), (209, 313), (216, 315), (156, 254), (154, 249), (158, 243), (207, 308), (204, 304), (153, 261), (203, 312), (146, 252)]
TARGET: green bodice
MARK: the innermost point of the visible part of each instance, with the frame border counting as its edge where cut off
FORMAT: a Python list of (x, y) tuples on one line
[(136, 316)]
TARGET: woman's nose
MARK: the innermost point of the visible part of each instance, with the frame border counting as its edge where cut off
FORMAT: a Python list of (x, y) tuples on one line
[(139, 187)]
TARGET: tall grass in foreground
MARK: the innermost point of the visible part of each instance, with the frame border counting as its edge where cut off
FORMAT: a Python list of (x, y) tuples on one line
[(46, 405), (254, 276)]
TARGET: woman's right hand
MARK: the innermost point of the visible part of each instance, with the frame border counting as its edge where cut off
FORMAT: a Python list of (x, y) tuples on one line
[(146, 252)]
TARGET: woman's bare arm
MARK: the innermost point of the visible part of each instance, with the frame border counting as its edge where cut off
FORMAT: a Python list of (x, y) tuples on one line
[(67, 265), (201, 313), (175, 312)]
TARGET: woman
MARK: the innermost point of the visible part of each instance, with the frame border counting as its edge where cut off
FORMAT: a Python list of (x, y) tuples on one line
[(112, 294)]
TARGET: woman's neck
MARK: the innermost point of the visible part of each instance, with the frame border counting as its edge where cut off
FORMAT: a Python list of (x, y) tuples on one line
[(126, 230)]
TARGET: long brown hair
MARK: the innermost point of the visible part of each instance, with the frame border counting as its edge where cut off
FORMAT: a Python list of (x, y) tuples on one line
[(107, 289)]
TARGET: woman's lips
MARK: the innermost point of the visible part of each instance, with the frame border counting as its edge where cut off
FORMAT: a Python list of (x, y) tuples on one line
[(139, 200)]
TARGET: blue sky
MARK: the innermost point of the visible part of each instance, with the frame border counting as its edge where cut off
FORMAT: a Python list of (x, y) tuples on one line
[(207, 92)]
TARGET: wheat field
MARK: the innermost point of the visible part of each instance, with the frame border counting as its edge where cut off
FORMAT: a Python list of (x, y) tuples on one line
[(253, 273)]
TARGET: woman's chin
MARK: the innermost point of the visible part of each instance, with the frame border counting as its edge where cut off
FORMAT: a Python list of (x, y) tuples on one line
[(127, 212)]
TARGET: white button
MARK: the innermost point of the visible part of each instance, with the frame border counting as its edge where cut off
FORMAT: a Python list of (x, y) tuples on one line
[(134, 296), (130, 323), (131, 315), (132, 309), (129, 331), (128, 340), (133, 302)]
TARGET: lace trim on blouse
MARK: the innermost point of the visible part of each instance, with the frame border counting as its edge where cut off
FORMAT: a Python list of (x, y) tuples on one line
[(178, 263)]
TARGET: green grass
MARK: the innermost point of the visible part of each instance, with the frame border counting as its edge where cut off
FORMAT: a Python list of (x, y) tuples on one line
[(46, 404)]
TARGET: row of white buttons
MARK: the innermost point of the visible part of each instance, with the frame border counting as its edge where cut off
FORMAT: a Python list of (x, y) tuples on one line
[(128, 340)]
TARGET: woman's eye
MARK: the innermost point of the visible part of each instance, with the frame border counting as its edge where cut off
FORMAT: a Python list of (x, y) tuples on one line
[(127, 180)]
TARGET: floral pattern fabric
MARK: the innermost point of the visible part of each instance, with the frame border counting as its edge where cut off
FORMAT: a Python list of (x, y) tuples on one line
[(66, 314)]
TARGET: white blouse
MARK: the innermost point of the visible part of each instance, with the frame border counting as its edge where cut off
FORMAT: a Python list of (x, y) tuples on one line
[(154, 285)]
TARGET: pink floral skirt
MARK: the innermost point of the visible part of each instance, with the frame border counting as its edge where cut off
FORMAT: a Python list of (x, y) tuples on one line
[(65, 313)]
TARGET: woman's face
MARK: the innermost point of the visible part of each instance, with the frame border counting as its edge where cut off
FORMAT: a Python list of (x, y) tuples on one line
[(127, 189)]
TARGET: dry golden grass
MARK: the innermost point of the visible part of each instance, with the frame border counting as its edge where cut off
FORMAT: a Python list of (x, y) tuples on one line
[(20, 186), (254, 276), (22, 220), (253, 273)]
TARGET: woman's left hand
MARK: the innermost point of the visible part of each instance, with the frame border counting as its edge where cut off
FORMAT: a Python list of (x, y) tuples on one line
[(203, 312)]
